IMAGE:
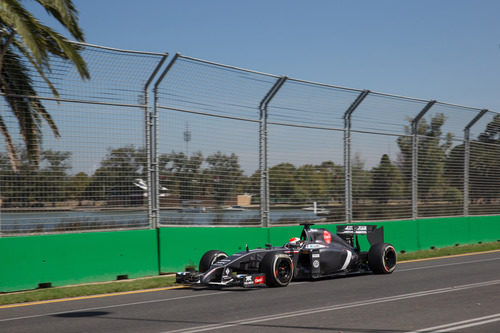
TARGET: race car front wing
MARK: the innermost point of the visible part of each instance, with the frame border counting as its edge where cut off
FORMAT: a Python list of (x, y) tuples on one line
[(240, 280)]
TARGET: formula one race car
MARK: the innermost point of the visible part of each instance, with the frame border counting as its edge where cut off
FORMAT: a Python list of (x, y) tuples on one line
[(316, 254)]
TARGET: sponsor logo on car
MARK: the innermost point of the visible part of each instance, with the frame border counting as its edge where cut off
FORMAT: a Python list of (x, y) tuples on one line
[(260, 279), (315, 246)]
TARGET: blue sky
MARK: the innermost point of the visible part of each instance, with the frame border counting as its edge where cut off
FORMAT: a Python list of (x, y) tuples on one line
[(445, 50)]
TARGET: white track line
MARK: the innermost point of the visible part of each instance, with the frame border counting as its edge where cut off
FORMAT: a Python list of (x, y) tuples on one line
[(461, 324), (444, 265), (218, 326), (113, 306)]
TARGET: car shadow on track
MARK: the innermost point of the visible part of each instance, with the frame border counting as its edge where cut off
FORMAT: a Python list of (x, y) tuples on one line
[(81, 314)]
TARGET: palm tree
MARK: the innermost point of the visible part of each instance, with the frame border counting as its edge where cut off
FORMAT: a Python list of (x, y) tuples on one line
[(24, 40)]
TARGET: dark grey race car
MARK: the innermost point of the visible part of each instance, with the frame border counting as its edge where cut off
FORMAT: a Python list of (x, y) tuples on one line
[(316, 254)]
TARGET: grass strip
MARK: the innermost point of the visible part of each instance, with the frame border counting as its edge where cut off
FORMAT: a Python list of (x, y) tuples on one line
[(87, 289), (169, 280), (448, 251)]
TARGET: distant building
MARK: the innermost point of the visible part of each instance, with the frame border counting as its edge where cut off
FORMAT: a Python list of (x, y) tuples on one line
[(244, 200)]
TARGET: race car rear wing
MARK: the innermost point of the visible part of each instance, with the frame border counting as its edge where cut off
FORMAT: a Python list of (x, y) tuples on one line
[(373, 234)]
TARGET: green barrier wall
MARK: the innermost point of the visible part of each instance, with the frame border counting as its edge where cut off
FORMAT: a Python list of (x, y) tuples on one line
[(182, 247), (406, 235), (26, 262)]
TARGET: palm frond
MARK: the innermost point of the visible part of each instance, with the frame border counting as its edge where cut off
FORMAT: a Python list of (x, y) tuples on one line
[(40, 109), (25, 36), (11, 149), (16, 84), (66, 13), (39, 69), (56, 44), (14, 15)]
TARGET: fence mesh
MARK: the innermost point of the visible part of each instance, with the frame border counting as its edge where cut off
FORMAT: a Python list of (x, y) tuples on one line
[(223, 145), (208, 143), (90, 173)]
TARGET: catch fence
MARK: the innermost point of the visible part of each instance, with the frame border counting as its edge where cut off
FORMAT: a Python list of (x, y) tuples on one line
[(146, 142)]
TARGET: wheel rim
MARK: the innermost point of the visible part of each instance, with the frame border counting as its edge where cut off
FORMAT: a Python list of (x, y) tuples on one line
[(283, 270), (389, 259), (218, 257)]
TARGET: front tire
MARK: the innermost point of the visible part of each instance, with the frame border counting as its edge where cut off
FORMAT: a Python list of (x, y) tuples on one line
[(382, 258), (278, 268), (210, 258)]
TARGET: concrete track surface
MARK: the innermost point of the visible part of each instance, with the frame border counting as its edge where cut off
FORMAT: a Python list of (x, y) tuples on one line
[(458, 294)]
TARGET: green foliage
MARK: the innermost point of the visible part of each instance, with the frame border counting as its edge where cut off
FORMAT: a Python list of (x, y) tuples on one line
[(219, 177), (449, 251), (361, 179), (387, 183), (226, 174), (85, 290), (27, 186), (305, 184), (433, 150), (453, 195), (117, 173), (282, 183), (183, 173), (484, 163), (25, 40)]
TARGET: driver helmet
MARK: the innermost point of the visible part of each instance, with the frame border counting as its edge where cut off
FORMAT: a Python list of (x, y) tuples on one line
[(294, 241)]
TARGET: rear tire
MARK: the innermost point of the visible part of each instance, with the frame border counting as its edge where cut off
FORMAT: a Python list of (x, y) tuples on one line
[(210, 258), (382, 258), (278, 268)]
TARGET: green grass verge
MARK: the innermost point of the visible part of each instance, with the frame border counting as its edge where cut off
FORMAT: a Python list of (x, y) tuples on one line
[(448, 251), (87, 289), (165, 281)]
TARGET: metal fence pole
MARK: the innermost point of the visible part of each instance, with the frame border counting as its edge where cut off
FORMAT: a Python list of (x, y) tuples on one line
[(347, 154), (467, 159), (263, 165), (151, 189), (155, 164), (414, 158)]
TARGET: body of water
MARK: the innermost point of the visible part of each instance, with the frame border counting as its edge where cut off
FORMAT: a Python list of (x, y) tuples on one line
[(32, 222)]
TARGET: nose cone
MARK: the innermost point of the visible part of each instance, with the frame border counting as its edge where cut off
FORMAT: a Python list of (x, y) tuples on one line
[(214, 274)]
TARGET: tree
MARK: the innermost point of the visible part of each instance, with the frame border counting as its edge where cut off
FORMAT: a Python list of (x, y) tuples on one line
[(117, 173), (24, 42), (53, 175), (251, 185), (484, 162), (433, 150), (226, 174), (282, 182), (183, 173), (361, 179), (27, 185), (386, 181), (492, 132), (77, 185), (484, 169), (333, 177)]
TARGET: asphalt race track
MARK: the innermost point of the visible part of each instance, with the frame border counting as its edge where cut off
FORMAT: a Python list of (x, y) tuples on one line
[(459, 294)]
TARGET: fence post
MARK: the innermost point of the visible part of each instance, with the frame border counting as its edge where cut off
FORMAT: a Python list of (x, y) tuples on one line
[(148, 126), (414, 158), (154, 146), (467, 159), (347, 154), (263, 166)]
